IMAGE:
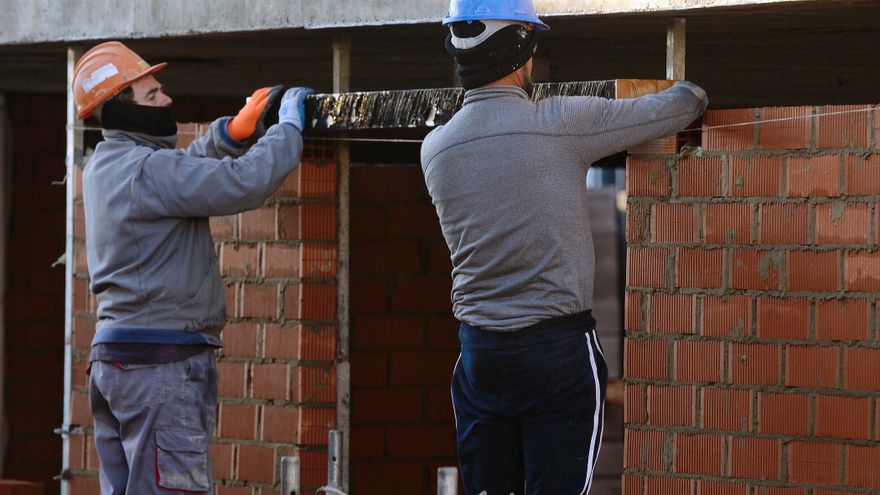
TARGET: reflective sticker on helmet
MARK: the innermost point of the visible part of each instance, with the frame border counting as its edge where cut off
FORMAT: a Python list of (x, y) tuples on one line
[(142, 64), (99, 76)]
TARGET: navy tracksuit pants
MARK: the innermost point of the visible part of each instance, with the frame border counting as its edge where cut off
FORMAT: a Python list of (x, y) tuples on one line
[(528, 407)]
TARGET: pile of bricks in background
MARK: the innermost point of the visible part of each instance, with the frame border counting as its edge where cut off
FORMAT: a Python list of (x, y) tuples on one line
[(277, 376), (34, 306), (753, 362), (404, 340)]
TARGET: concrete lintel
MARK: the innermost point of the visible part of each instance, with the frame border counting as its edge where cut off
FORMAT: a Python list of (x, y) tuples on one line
[(40, 21)]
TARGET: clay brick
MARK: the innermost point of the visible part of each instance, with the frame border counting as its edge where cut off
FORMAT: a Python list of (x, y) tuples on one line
[(231, 299), (861, 369), (413, 220), (635, 410), (671, 406), (231, 379), (440, 404), (699, 454), (862, 271), (256, 464), (439, 262), (369, 295), (313, 384), (758, 176), (843, 417), (317, 179), (388, 332), (754, 364), (813, 271), (394, 183), (422, 367), (420, 442), (443, 333), (317, 222), (221, 460), (632, 485), (288, 222), (862, 175), (372, 405), (81, 485), (633, 315), (370, 369), (387, 256), (674, 223), (861, 466), (671, 313), (239, 260), (240, 340), (238, 421), (703, 268), (644, 449), (719, 488), (817, 176), (281, 260), (314, 425), (637, 222), (728, 223), (645, 358), (783, 223), (304, 343), (698, 361), (814, 462), (842, 223), (700, 177), (367, 443), (318, 260), (367, 221), (812, 366), (83, 333), (783, 318), (647, 177), (77, 451), (259, 301), (756, 269), (646, 267), (269, 381), (422, 294), (736, 137), (754, 458), (727, 409), (783, 414), (795, 133), (280, 424), (842, 319), (726, 316), (259, 224), (669, 486), (842, 131), (388, 477), (316, 302)]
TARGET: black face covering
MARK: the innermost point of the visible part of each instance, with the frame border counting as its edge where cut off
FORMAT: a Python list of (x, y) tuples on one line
[(503, 53), (153, 121)]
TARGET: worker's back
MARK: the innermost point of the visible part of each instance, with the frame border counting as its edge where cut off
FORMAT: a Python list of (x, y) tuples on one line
[(508, 179)]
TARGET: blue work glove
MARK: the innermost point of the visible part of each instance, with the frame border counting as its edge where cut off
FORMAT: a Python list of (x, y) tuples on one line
[(293, 107)]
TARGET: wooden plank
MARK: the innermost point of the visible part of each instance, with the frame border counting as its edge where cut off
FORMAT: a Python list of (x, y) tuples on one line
[(675, 49)]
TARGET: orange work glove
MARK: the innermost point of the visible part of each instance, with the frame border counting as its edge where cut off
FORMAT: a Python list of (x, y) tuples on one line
[(242, 126)]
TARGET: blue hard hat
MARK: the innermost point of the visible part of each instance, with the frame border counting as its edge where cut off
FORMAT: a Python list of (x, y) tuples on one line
[(501, 10)]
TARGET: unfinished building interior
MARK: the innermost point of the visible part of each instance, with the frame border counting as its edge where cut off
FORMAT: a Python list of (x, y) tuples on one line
[(738, 274)]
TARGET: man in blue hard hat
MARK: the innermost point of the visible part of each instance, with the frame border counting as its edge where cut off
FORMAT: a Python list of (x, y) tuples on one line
[(507, 177)]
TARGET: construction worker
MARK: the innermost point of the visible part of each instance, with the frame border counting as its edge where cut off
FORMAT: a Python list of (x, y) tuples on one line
[(153, 383), (508, 179)]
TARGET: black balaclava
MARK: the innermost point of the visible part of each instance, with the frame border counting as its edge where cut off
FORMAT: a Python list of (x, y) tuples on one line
[(501, 54), (153, 121)]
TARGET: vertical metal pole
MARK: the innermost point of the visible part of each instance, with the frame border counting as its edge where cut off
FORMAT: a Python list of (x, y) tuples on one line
[(447, 481), (290, 475), (675, 49), (334, 459), (342, 83), (74, 153)]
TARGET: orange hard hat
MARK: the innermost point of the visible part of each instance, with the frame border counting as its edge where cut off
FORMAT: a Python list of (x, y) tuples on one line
[(103, 72)]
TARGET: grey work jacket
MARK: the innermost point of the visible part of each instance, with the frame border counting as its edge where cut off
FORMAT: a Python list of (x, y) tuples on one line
[(150, 253)]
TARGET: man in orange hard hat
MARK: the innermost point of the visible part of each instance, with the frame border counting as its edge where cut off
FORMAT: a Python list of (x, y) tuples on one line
[(161, 305)]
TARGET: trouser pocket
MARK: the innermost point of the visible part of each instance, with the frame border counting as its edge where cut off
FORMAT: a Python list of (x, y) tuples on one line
[(182, 460)]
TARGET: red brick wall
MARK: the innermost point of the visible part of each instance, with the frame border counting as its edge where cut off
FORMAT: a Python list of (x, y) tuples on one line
[(276, 374), (35, 293), (404, 341), (752, 359)]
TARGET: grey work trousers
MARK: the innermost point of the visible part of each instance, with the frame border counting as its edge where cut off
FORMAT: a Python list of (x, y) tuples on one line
[(153, 423)]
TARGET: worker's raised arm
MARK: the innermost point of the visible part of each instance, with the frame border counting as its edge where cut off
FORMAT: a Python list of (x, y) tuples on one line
[(602, 127), (175, 184)]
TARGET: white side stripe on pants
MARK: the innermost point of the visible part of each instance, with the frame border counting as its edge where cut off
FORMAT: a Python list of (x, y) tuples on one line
[(597, 415)]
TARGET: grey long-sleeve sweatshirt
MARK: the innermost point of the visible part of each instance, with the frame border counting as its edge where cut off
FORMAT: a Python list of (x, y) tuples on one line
[(508, 179)]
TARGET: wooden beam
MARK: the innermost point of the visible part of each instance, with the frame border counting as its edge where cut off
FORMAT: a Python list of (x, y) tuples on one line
[(675, 49)]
